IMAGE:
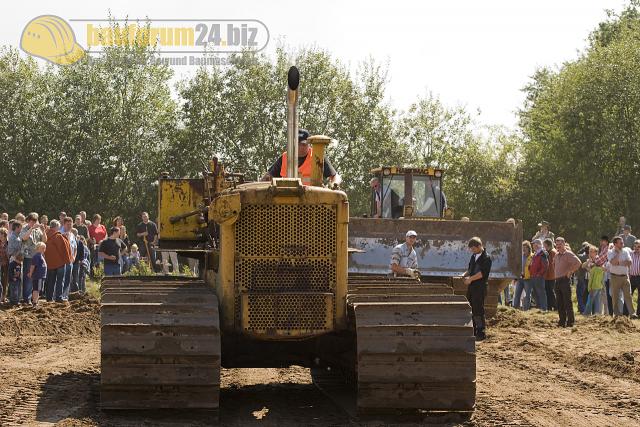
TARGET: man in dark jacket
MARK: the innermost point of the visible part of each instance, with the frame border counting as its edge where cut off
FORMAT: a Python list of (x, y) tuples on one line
[(476, 278)]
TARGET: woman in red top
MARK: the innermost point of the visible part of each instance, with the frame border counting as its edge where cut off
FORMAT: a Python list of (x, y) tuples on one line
[(97, 231)]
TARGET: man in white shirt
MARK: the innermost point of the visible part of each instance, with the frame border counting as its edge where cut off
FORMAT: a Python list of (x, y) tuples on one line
[(619, 262), (404, 259)]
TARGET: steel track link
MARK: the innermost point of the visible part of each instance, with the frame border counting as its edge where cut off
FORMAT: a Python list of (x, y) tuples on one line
[(415, 353), (160, 344)]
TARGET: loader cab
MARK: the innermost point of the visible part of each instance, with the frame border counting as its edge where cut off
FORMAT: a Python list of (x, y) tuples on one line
[(409, 192)]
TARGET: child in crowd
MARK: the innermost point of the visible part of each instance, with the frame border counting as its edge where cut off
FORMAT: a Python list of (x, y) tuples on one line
[(15, 278), (85, 266), (596, 283), (134, 255), (38, 272)]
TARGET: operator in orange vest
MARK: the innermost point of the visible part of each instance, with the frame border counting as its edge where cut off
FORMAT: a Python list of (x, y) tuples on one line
[(279, 168)]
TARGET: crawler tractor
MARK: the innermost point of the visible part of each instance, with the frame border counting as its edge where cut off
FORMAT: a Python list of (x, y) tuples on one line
[(275, 291)]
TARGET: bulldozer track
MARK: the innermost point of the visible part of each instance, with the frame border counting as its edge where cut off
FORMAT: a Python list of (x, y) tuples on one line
[(415, 350), (160, 341)]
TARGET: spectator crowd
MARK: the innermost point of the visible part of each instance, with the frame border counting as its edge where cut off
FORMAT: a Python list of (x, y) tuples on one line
[(42, 258), (605, 275)]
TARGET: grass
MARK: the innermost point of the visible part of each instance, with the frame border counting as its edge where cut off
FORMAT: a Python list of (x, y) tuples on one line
[(93, 288)]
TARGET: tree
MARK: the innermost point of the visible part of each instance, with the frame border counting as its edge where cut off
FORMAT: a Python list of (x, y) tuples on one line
[(238, 113), (92, 135), (581, 159), (435, 133), (23, 96), (479, 163)]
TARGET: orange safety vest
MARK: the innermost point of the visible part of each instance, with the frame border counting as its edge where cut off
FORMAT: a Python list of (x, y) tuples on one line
[(304, 171)]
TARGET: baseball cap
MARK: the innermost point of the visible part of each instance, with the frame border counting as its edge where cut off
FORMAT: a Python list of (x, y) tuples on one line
[(411, 233), (303, 135), (51, 37)]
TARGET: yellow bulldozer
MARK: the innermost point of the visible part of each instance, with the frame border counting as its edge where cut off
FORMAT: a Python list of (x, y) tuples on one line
[(275, 290)]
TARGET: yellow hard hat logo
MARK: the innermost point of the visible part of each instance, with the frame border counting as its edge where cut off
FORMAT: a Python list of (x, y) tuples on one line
[(51, 37)]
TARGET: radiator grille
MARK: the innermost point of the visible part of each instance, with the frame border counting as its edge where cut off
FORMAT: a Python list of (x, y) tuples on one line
[(296, 275), (285, 272), (284, 313), (286, 230)]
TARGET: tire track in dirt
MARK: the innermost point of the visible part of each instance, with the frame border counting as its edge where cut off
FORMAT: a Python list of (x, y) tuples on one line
[(537, 375), (45, 380)]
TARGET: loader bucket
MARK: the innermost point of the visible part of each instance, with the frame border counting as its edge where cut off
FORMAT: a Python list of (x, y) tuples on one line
[(441, 245), (441, 248)]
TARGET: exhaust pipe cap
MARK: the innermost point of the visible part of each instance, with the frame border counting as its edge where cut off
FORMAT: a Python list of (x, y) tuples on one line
[(293, 78)]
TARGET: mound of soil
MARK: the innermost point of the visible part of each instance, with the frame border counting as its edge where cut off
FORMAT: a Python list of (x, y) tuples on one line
[(621, 324), (80, 318), (620, 365), (507, 317)]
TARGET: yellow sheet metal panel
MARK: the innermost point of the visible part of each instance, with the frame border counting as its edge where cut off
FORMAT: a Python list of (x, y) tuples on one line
[(430, 171), (225, 284), (342, 237), (178, 197)]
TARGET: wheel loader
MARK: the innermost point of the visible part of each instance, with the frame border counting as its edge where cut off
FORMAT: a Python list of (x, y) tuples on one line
[(275, 291), (412, 198)]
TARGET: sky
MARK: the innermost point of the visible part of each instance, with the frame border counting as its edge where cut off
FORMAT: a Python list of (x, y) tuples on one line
[(477, 54)]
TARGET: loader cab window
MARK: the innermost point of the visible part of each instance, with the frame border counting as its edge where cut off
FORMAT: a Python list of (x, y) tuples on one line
[(427, 196), (392, 196)]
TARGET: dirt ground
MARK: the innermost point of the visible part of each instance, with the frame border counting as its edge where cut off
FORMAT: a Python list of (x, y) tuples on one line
[(529, 373)]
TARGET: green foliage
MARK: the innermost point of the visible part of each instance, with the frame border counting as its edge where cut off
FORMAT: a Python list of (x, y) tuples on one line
[(480, 164), (185, 271), (93, 289), (98, 274), (92, 135), (434, 134), (582, 157), (142, 269), (239, 114), (617, 25)]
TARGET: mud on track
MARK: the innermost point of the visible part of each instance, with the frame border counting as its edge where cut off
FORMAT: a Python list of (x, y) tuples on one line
[(529, 373)]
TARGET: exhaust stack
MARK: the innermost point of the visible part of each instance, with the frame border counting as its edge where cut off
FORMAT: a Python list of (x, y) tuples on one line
[(293, 80)]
